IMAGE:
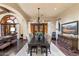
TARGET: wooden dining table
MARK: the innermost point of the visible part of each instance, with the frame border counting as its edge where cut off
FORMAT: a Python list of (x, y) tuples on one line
[(35, 42)]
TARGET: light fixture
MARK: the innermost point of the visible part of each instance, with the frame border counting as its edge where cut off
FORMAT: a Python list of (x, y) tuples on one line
[(38, 16), (55, 8)]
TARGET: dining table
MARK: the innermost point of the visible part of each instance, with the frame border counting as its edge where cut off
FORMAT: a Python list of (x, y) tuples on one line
[(36, 42)]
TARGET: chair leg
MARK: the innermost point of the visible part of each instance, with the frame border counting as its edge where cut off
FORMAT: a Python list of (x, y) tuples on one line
[(41, 51), (28, 51), (49, 50), (46, 52), (36, 51), (31, 52)]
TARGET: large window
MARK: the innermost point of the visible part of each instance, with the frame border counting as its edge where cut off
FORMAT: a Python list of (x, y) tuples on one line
[(8, 25)]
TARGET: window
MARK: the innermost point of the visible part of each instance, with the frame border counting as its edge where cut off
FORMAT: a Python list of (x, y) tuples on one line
[(8, 25)]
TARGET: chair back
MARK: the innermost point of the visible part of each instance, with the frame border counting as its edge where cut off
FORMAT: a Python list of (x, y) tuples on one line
[(30, 36), (48, 38)]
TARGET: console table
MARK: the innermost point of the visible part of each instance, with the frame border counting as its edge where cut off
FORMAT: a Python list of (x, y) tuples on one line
[(68, 42), (6, 41)]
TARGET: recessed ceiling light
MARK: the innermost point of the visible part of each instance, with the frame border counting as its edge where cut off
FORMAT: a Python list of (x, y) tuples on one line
[(55, 8)]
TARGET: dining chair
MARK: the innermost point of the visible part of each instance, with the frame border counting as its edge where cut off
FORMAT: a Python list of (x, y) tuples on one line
[(43, 49), (48, 38), (33, 50), (29, 39)]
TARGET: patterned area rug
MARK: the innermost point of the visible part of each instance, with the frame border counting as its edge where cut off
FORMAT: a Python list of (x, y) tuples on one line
[(65, 51)]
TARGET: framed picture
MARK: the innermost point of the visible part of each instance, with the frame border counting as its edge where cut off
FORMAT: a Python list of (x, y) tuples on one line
[(70, 28)]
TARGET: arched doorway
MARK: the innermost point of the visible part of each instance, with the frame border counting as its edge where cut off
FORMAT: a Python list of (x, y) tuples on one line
[(23, 24), (8, 25)]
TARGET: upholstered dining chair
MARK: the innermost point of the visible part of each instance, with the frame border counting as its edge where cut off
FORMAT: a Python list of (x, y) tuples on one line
[(30, 36), (33, 49), (48, 38)]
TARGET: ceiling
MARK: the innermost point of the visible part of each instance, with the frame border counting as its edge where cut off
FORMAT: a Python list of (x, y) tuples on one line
[(46, 9), (4, 10)]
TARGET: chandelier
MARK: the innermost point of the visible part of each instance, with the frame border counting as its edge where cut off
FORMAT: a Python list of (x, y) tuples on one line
[(39, 17), (38, 20)]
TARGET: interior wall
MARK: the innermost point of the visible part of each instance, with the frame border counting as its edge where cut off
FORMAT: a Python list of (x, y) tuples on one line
[(17, 7), (51, 26), (70, 15), (21, 27), (21, 19)]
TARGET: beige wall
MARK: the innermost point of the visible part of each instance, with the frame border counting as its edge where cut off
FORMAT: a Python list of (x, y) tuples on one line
[(19, 16), (51, 25), (17, 7), (71, 14)]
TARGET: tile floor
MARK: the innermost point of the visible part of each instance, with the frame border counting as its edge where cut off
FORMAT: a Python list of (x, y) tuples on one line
[(54, 51)]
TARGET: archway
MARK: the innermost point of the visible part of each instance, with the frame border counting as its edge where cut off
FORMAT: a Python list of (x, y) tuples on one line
[(20, 18), (8, 25)]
